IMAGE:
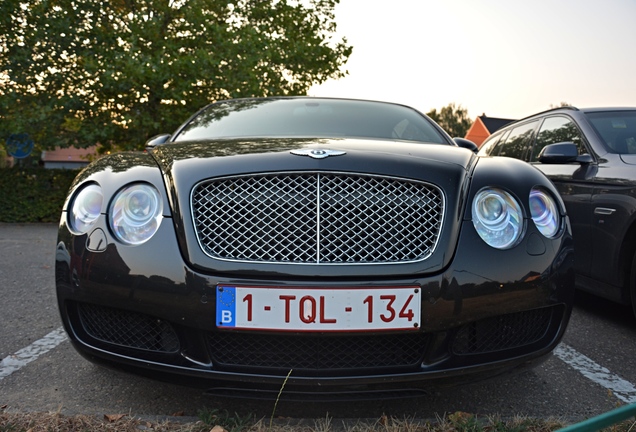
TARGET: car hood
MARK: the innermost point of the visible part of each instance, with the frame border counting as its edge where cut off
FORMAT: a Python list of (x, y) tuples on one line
[(186, 164), (194, 152), (629, 159)]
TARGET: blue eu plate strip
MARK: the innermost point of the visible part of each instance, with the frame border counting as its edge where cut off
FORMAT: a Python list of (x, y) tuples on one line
[(225, 306)]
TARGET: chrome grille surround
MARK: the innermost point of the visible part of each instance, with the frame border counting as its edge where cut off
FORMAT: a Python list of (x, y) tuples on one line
[(322, 218)]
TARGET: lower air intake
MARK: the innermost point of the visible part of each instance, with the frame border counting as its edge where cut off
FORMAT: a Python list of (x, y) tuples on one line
[(128, 329)]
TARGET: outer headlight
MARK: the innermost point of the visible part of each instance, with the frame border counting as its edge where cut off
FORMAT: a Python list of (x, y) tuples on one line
[(544, 212), (135, 213), (85, 208), (497, 217)]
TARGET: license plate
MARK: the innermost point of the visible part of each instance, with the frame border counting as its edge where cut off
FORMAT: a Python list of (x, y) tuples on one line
[(317, 309)]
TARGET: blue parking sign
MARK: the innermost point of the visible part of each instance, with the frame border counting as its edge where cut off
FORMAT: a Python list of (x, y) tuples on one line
[(19, 145)]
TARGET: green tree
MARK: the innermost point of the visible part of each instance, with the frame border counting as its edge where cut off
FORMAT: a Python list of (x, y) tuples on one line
[(452, 118), (80, 72)]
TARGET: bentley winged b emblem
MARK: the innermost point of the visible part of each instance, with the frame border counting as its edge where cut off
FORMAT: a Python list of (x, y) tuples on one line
[(317, 153)]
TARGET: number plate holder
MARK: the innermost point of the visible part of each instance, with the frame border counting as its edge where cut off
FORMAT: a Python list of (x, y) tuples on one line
[(335, 309)]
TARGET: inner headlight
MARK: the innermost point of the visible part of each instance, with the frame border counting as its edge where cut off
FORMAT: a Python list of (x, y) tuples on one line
[(135, 213), (497, 217), (544, 212), (85, 208)]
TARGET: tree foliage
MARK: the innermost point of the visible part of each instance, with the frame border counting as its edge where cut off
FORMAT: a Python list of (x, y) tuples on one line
[(560, 105), (452, 118), (80, 72)]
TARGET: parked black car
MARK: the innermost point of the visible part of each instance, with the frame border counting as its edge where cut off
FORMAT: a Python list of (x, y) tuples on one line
[(351, 246), (590, 155)]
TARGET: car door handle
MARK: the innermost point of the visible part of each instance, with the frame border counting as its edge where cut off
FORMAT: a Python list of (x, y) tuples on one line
[(604, 211)]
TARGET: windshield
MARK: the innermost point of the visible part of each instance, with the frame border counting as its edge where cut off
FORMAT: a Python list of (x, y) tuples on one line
[(617, 129), (310, 117)]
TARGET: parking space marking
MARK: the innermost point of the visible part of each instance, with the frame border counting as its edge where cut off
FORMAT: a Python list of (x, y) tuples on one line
[(624, 390), (26, 355)]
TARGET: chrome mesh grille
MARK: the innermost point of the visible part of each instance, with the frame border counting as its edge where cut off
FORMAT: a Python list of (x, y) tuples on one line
[(324, 218)]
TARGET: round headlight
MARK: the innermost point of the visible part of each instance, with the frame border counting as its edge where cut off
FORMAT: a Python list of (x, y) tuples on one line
[(135, 213), (497, 217), (85, 208), (544, 212)]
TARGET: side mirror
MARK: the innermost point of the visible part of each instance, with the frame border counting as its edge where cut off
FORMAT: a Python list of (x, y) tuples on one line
[(563, 153), (157, 140), (464, 143)]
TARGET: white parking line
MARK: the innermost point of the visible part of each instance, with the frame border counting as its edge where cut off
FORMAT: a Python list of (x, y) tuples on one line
[(624, 390), (26, 355)]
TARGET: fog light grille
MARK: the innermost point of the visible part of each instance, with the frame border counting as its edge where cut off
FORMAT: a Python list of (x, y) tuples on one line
[(317, 218), (128, 329), (503, 332)]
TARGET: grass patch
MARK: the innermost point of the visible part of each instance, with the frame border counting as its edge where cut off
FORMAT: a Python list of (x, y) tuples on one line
[(219, 421), (231, 423), (223, 421)]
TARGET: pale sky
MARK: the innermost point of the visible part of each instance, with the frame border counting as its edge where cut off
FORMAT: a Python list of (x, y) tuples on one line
[(504, 58)]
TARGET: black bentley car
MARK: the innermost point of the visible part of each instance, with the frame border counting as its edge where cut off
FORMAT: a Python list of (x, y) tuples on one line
[(342, 247)]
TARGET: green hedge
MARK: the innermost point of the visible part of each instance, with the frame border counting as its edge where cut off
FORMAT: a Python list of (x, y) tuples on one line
[(33, 194)]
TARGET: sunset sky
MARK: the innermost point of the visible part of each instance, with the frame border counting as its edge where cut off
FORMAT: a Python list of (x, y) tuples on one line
[(503, 58)]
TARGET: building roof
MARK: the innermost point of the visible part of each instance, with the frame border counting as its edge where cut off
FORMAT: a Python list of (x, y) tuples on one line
[(493, 124), (483, 127)]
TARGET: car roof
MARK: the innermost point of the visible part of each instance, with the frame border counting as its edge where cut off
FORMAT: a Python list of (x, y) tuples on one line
[(590, 110), (312, 98), (569, 108)]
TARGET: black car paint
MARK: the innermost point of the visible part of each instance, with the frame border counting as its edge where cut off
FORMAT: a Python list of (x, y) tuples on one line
[(464, 280)]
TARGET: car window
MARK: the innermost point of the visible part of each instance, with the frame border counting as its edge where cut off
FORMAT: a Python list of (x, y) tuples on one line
[(555, 130), (310, 117), (518, 141), (617, 129), (489, 144), (497, 147)]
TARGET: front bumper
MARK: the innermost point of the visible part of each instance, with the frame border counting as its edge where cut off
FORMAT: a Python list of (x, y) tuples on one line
[(145, 310)]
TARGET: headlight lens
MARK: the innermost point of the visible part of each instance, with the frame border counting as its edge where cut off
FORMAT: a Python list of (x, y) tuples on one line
[(497, 217), (544, 212), (135, 213), (86, 207)]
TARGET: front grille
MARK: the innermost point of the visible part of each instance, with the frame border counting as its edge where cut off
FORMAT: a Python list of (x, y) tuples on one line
[(317, 352), (503, 332), (317, 218), (128, 329)]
